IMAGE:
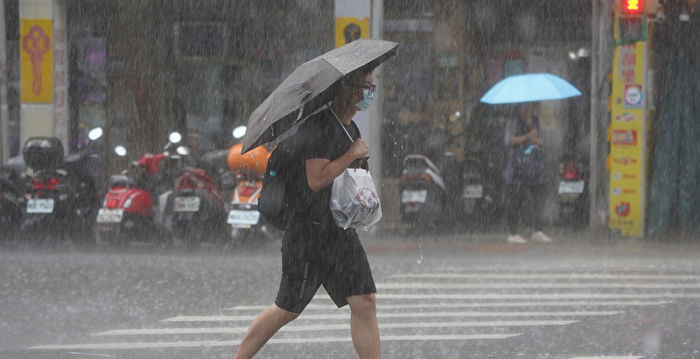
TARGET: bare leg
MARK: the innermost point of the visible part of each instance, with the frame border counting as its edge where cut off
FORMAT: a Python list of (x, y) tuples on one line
[(264, 326), (364, 326)]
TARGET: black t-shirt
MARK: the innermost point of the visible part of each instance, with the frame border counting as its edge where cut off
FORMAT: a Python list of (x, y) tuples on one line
[(320, 136)]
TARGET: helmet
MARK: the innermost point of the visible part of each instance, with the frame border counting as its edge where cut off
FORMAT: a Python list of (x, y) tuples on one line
[(254, 160)]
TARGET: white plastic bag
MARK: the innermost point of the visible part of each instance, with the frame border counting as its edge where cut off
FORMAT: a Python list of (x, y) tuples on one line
[(354, 200)]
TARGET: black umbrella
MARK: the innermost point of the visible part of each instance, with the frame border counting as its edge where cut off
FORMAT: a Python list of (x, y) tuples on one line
[(309, 87)]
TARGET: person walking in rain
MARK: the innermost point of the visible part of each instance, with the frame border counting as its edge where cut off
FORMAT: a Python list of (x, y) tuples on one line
[(315, 251), (523, 173)]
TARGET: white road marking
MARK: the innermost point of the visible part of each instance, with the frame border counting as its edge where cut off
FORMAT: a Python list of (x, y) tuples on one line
[(576, 276), (471, 305), (611, 357), (234, 318), (535, 285), (226, 343), (344, 326), (536, 296)]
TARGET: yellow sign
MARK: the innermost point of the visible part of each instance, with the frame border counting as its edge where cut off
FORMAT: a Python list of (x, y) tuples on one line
[(628, 140), (36, 60), (348, 29)]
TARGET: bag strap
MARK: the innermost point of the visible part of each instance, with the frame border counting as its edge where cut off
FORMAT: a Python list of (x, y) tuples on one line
[(364, 160), (341, 124)]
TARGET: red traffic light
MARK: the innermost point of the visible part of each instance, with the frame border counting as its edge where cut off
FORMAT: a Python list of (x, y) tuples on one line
[(632, 7)]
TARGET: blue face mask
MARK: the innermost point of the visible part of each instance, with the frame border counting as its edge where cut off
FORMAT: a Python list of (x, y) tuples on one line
[(367, 99)]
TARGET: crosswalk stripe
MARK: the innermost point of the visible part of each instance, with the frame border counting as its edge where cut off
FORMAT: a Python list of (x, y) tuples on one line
[(501, 296), (535, 285), (611, 357), (577, 276), (443, 295), (343, 326), (227, 343), (233, 318), (472, 305)]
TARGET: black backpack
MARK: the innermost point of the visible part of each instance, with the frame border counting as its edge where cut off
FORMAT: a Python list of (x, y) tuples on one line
[(274, 201)]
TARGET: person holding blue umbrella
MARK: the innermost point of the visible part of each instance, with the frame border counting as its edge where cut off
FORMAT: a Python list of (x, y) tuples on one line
[(525, 161), (523, 172)]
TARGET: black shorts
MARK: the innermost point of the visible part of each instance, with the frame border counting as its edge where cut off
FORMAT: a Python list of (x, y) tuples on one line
[(315, 255)]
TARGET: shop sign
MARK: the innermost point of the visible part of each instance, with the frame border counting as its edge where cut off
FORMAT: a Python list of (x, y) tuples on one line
[(628, 62), (625, 137), (622, 209), (625, 160), (36, 60), (633, 96), (348, 29), (627, 142), (625, 117)]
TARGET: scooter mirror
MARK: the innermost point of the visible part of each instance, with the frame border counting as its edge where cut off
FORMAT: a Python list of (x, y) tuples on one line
[(239, 132), (183, 150), (95, 133), (175, 137), (120, 151)]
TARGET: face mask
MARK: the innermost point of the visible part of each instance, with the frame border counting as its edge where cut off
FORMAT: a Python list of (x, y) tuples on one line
[(367, 99)]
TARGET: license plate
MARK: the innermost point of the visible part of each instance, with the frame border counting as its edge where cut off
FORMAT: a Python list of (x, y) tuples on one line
[(240, 217), (473, 191), (186, 204), (110, 215), (414, 196), (42, 205), (570, 187)]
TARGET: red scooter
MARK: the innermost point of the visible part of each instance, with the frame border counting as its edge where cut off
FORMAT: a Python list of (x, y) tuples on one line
[(198, 209), (129, 211)]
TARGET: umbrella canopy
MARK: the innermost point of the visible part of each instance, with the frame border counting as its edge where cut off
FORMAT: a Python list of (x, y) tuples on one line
[(310, 86), (529, 88)]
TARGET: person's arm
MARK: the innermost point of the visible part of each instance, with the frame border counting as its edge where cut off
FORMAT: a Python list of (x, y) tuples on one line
[(321, 172), (512, 140)]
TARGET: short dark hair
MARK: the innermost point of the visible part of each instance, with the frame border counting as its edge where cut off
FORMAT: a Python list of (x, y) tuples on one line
[(361, 72)]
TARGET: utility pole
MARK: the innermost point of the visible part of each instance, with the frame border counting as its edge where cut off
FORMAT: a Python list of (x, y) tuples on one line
[(375, 112), (4, 138), (601, 56)]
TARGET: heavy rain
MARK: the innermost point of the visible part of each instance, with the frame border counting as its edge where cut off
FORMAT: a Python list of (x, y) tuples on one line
[(349, 178)]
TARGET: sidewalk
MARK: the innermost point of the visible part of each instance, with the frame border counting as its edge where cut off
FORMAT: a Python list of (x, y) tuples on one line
[(395, 236)]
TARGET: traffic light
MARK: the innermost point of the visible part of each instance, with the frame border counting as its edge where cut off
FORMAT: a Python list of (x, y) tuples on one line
[(632, 7)]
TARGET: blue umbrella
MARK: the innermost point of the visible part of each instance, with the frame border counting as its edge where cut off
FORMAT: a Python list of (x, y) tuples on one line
[(529, 88)]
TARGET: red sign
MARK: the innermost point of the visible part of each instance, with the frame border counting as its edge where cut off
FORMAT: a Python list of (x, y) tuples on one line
[(622, 209), (625, 137), (625, 160), (632, 7)]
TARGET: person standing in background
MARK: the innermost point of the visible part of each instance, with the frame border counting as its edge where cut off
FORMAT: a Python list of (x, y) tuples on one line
[(523, 173)]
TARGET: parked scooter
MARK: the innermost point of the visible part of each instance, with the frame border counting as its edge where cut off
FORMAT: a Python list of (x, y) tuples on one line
[(11, 200), (573, 194), (133, 208), (198, 213), (247, 226), (62, 199), (429, 183)]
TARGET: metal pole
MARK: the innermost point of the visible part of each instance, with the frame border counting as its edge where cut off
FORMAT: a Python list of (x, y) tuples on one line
[(595, 103), (375, 113), (601, 66), (5, 138)]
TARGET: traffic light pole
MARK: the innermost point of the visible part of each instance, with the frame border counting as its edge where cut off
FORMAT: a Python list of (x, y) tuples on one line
[(5, 138), (601, 66)]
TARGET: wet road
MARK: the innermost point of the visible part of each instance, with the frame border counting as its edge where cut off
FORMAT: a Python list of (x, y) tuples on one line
[(438, 297)]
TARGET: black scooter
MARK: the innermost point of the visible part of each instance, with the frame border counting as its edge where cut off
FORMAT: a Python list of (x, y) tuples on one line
[(11, 200), (61, 198)]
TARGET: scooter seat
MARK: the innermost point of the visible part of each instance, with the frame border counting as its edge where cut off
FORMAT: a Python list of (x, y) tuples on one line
[(121, 181)]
